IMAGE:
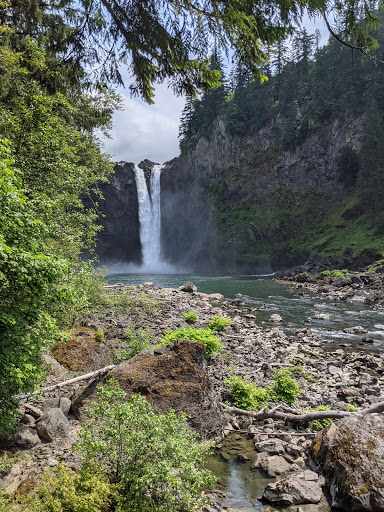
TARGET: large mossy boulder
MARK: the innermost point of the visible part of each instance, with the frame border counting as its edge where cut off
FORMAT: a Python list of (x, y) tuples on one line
[(171, 377), (350, 455)]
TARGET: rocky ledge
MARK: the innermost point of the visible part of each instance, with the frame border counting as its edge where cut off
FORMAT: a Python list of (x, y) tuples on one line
[(309, 475)]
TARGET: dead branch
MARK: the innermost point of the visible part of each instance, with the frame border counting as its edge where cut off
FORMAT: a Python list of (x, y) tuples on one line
[(295, 418), (303, 418), (87, 376)]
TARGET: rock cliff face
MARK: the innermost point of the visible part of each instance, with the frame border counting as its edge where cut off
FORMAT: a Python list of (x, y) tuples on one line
[(209, 190), (120, 238)]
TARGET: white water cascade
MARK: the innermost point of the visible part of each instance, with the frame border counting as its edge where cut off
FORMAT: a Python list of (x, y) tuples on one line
[(149, 218)]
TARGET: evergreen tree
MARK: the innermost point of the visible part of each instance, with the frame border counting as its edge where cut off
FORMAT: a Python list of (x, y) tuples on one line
[(371, 178)]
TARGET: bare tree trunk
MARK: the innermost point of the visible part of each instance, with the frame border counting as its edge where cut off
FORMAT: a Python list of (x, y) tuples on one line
[(294, 417)]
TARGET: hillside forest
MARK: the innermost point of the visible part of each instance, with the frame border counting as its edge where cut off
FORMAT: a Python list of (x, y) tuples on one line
[(310, 93)]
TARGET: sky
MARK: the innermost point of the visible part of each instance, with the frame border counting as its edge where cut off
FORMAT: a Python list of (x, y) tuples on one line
[(143, 131)]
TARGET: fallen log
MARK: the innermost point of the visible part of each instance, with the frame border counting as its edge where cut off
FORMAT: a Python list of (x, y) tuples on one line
[(87, 376), (302, 418)]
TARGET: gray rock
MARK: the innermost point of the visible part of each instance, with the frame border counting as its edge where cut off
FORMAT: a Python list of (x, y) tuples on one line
[(50, 403), (273, 465), (334, 370), (271, 446), (53, 425), (28, 419), (321, 316), (65, 405), (188, 287), (355, 330), (351, 457), (276, 318), (26, 437), (295, 490)]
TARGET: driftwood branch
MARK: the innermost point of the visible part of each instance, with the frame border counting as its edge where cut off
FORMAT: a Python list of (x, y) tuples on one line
[(87, 376), (303, 418)]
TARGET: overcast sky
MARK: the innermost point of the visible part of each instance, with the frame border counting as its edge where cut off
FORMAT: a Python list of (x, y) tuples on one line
[(151, 131)]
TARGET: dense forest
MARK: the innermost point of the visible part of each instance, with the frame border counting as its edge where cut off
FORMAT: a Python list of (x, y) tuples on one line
[(307, 90)]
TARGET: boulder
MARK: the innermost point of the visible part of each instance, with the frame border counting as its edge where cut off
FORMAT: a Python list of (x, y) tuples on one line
[(321, 316), (296, 489), (350, 454), (83, 353), (334, 370), (276, 318), (188, 287), (174, 377), (53, 425), (273, 465), (25, 437), (271, 446)]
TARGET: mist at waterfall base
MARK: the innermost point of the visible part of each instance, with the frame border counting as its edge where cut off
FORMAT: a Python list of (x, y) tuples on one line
[(185, 239), (148, 196)]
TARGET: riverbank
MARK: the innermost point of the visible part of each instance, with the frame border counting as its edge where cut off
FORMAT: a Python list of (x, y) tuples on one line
[(337, 378), (365, 286)]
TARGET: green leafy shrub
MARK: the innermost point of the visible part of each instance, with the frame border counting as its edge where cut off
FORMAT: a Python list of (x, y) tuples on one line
[(219, 323), (320, 424), (154, 459), (64, 490), (4, 463), (284, 388), (100, 335), (190, 317), (138, 339), (351, 407), (205, 336), (325, 273), (246, 395), (339, 273)]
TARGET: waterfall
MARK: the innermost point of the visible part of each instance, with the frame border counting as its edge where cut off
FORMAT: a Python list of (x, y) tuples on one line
[(149, 217)]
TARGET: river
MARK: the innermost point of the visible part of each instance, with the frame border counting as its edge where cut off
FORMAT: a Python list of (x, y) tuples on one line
[(297, 307)]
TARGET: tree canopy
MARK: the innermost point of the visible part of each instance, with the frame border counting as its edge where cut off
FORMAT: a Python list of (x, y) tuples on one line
[(170, 39)]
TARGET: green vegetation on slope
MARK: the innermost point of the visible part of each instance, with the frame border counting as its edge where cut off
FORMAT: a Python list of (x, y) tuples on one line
[(310, 90)]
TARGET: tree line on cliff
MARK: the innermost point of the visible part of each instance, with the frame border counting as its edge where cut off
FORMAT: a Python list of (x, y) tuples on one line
[(308, 87)]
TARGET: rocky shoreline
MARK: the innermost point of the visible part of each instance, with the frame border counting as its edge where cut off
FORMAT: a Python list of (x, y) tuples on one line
[(284, 451)]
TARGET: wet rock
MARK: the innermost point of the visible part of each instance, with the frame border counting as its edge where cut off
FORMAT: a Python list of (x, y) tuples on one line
[(355, 330), (351, 457), (297, 489), (174, 377), (53, 425), (276, 318), (321, 316)]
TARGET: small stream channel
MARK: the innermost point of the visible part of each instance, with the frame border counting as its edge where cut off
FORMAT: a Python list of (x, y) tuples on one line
[(243, 486)]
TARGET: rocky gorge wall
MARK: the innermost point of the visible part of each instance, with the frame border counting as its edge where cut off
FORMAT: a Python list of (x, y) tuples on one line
[(249, 194), (119, 241)]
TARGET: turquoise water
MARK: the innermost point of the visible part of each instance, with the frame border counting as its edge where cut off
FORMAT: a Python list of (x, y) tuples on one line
[(273, 297)]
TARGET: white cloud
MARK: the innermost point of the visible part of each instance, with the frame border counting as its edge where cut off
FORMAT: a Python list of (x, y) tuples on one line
[(146, 131)]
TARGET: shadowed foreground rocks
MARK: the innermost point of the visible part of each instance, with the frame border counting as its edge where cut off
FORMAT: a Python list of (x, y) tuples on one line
[(171, 377), (350, 455)]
